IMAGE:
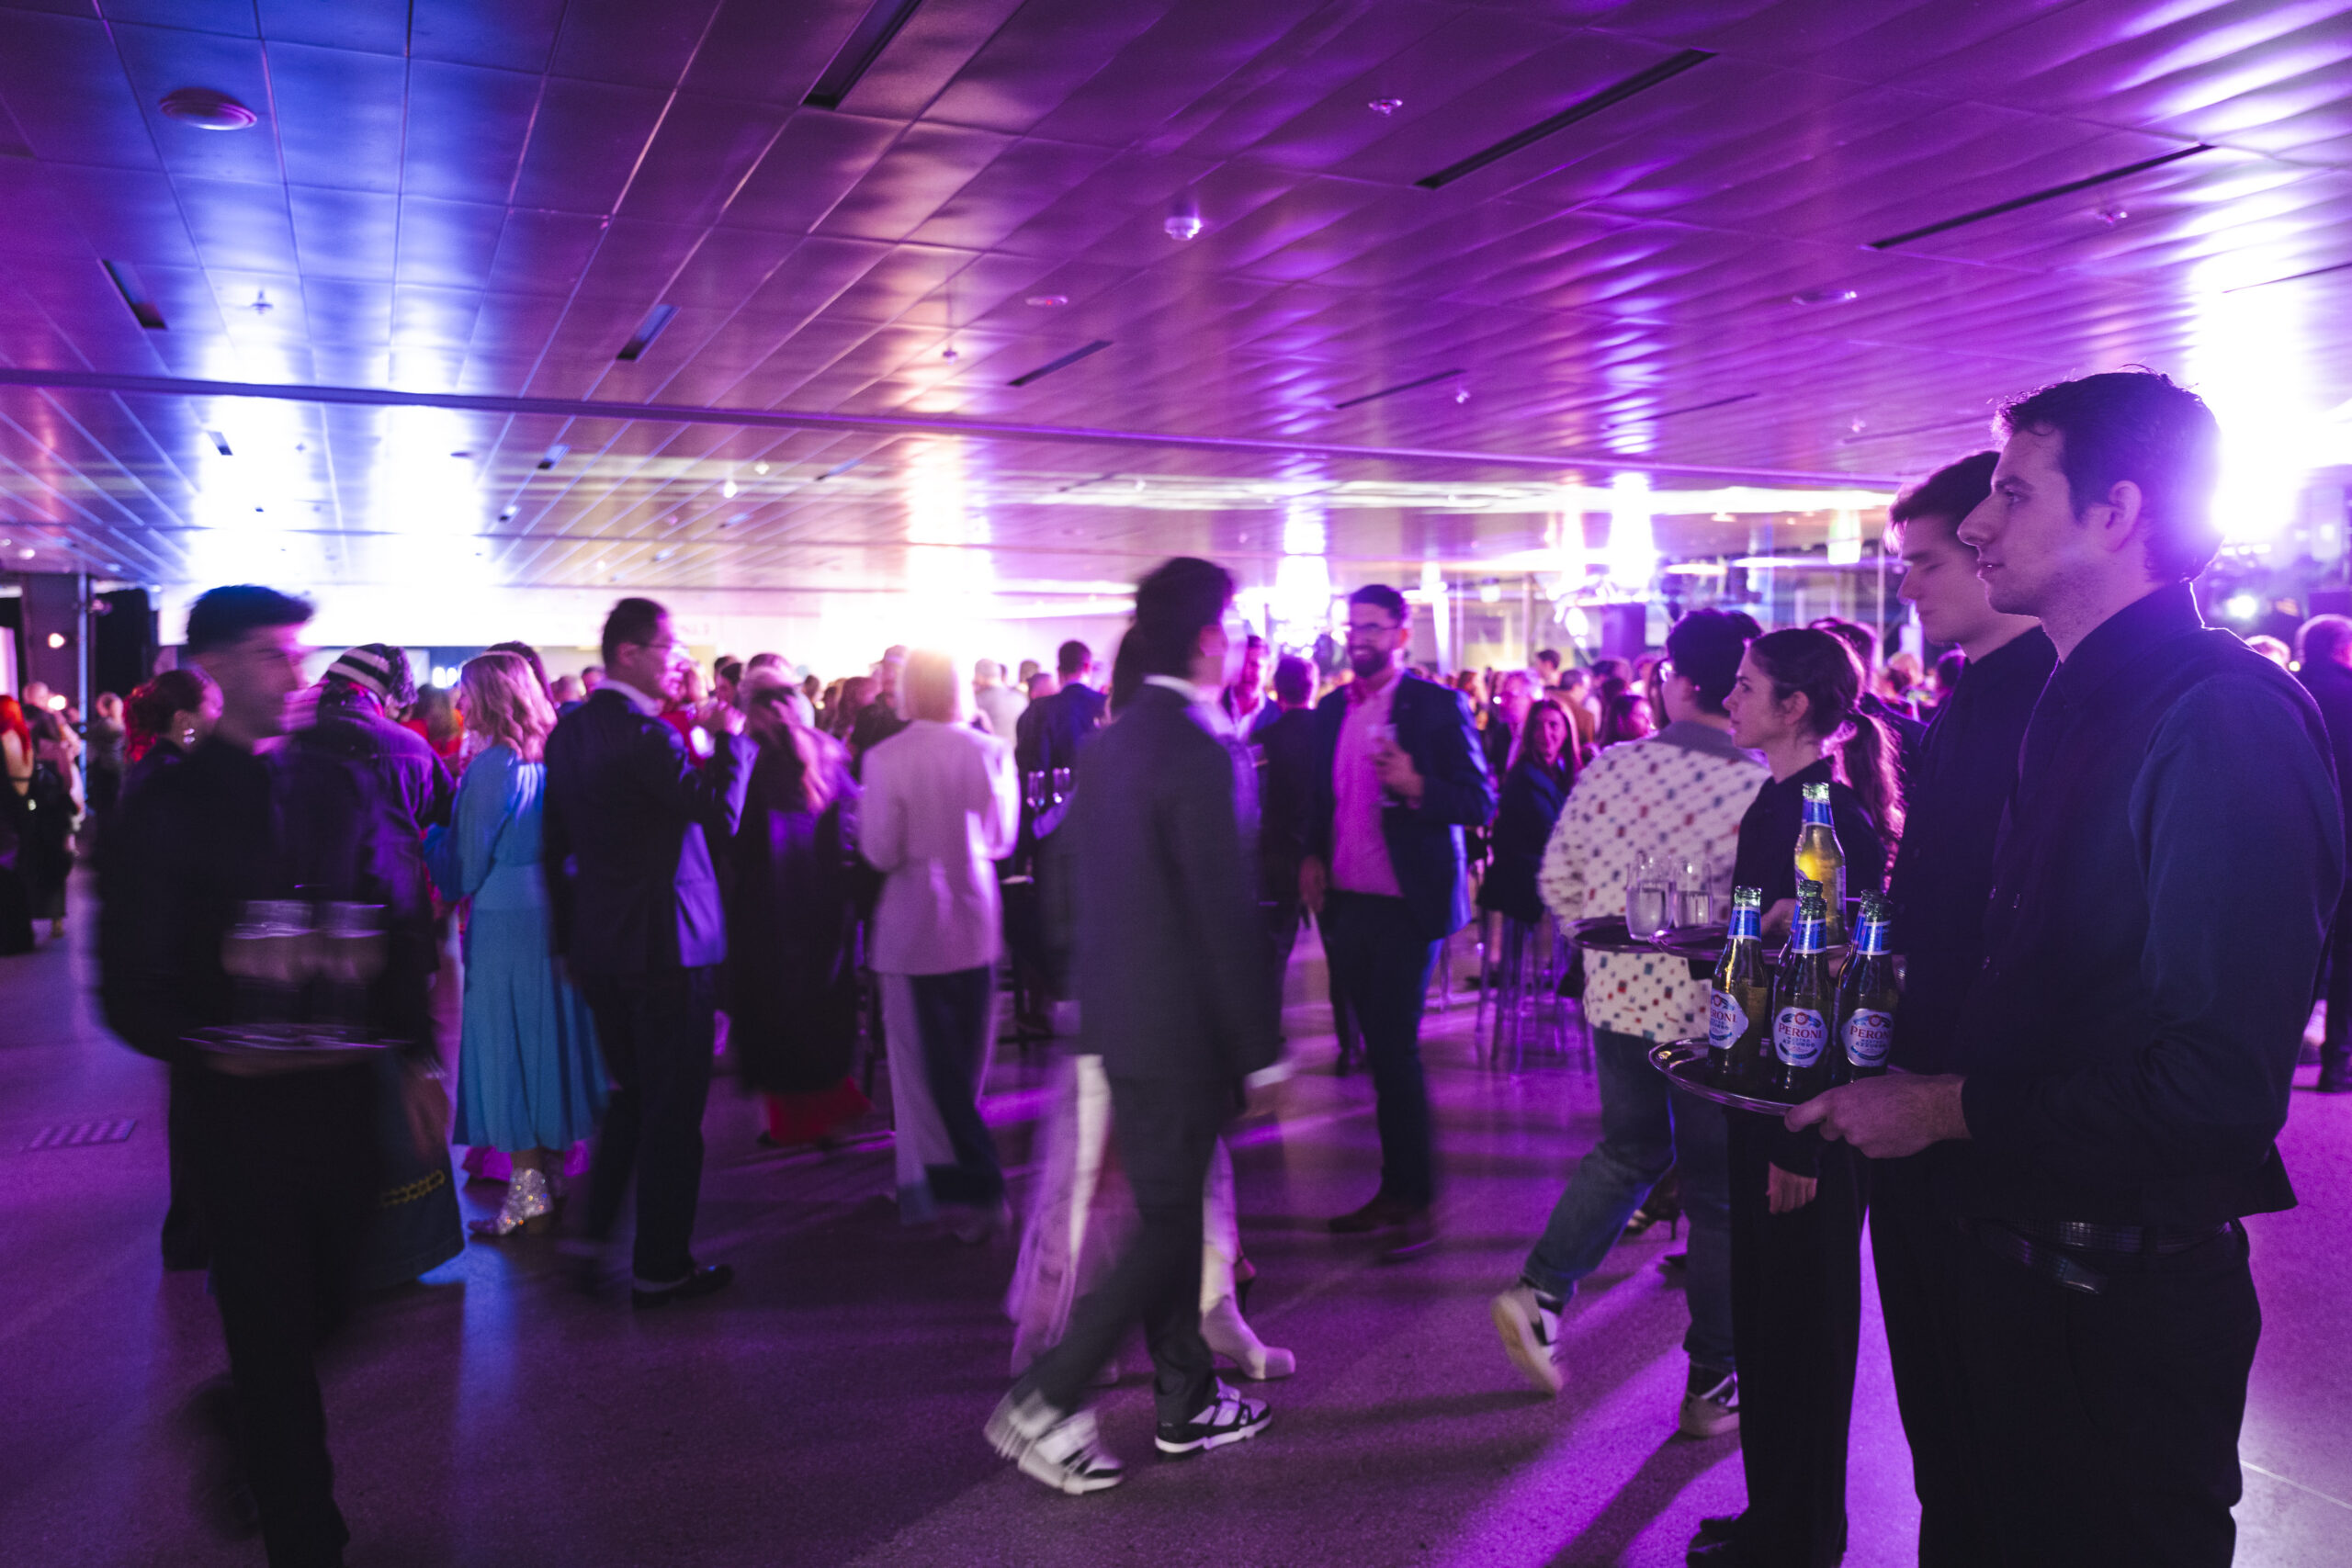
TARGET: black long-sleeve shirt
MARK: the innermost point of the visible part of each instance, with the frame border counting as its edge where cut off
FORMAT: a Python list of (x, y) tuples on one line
[(2161, 893), (1768, 836), (1944, 874)]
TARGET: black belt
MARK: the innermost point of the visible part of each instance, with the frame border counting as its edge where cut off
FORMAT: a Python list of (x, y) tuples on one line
[(2049, 1247)]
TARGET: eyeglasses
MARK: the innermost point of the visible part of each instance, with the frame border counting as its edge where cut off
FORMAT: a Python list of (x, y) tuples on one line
[(1372, 628)]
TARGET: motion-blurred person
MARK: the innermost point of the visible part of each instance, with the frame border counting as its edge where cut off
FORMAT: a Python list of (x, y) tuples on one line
[(434, 715), (799, 889), (36, 812), (1400, 777), (284, 1153), (1627, 718), (885, 712), (530, 1081), (1898, 717), (530, 656), (567, 692), (1175, 996), (627, 837), (1515, 694), (1244, 701), (1058, 727), (2324, 660), (940, 807), (1286, 803), (1535, 787), (358, 690), (105, 760)]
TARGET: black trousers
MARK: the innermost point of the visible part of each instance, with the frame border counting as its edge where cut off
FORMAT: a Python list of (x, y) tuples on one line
[(1911, 1241), (2335, 1044), (284, 1171), (955, 1015), (1796, 1327), (182, 1225), (1380, 960), (656, 1031), (2088, 1431), (1165, 1134)]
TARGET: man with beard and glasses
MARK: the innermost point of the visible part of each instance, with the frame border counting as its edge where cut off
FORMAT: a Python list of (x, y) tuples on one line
[(1400, 777)]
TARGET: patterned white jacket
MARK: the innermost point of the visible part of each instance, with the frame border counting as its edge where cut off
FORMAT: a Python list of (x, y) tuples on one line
[(1680, 793)]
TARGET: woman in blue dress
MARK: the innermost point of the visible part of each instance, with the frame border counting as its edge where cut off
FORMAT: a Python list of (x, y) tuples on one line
[(530, 1081)]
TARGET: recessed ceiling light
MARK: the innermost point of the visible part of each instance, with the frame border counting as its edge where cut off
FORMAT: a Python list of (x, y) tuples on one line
[(1825, 296), (727, 489), (206, 110), (1048, 301), (657, 321), (26, 553), (760, 468), (554, 455)]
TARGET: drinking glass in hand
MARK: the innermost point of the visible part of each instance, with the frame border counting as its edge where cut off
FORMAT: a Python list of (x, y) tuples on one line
[(1033, 790), (1061, 784)]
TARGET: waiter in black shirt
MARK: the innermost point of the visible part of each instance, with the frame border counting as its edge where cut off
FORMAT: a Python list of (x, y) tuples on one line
[(1966, 766), (2161, 891)]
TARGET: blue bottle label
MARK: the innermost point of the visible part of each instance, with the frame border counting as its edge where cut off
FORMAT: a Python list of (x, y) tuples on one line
[(1798, 1036), (1870, 938), (1817, 811), (1811, 935), (1727, 1021), (1746, 921), (1868, 1032)]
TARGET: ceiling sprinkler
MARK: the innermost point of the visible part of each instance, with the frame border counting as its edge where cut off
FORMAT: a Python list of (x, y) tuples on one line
[(1184, 218), (2111, 214), (261, 305), (1385, 107), (949, 353)]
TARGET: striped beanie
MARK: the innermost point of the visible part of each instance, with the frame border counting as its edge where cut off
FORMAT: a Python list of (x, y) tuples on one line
[(374, 667)]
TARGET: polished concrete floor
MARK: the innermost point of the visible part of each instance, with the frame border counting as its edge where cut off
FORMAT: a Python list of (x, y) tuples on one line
[(828, 1409)]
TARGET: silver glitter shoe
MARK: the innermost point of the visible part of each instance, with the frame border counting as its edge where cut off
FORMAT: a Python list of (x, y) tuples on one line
[(528, 1208)]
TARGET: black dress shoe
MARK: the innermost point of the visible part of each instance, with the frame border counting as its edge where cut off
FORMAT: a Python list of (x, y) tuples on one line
[(1379, 1215), (2334, 1080), (1415, 1234), (703, 1281)]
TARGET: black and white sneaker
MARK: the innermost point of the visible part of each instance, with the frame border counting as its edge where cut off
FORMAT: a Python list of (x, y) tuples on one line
[(1528, 1321), (1227, 1417), (1064, 1452), (1710, 1404)]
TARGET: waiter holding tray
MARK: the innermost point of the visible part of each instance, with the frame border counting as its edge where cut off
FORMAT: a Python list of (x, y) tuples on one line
[(2171, 857)]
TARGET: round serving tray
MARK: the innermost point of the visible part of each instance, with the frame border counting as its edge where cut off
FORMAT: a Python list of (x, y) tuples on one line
[(1685, 1061), (1607, 935), (1701, 944), (288, 1049)]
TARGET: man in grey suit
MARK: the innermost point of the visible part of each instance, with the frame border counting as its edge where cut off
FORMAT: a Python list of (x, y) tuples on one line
[(1175, 990)]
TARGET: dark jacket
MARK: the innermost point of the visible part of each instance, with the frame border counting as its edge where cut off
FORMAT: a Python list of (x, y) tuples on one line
[(1285, 801), (2330, 684), (631, 819), (2161, 895), (1052, 730), (351, 725), (1425, 840), (1174, 980), (795, 893), (201, 837), (1532, 796)]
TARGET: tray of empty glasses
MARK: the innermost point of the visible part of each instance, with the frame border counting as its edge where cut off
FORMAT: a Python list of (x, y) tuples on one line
[(287, 1047), (1685, 1061), (1607, 934)]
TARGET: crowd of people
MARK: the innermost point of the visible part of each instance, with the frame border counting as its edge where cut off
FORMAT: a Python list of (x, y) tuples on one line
[(2112, 840)]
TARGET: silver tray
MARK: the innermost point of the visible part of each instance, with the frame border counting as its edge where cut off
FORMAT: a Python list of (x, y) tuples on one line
[(1701, 944), (1685, 1061), (288, 1049), (1607, 934)]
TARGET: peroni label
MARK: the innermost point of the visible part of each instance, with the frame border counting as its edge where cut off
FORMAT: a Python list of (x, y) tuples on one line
[(1868, 1034), (1798, 1036), (1727, 1021)]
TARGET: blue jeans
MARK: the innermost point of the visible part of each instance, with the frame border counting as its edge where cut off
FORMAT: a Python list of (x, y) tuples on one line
[(1647, 1125)]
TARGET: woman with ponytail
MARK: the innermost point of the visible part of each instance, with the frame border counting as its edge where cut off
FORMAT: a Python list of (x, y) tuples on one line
[(1796, 1204)]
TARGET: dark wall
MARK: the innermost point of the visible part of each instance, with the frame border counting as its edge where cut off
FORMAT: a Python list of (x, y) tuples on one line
[(123, 642)]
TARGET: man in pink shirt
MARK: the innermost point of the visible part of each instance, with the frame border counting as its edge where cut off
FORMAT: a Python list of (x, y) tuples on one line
[(1400, 777)]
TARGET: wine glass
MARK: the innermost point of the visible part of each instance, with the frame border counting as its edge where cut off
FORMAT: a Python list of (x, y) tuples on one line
[(1645, 894)]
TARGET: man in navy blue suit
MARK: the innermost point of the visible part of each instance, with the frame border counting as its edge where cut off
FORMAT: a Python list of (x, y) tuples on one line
[(630, 815), (1400, 776)]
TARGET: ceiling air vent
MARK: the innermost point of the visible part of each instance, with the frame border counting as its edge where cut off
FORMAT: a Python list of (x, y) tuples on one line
[(1583, 108), (134, 294), (864, 46), (1064, 363), (657, 321), (2052, 194), (1400, 387)]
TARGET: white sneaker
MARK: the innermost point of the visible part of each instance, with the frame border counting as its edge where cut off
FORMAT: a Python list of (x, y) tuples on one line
[(1530, 1331), (1230, 1336), (1226, 1418), (1065, 1452), (1712, 1411)]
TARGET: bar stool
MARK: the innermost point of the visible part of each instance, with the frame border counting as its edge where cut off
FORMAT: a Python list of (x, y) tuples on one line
[(1524, 979)]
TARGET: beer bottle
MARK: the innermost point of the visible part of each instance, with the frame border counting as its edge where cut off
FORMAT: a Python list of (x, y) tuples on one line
[(1821, 859), (1739, 1005), (1866, 998), (1804, 1000)]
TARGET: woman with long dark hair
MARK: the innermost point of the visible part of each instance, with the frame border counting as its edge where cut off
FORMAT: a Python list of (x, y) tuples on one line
[(1796, 1203), (1535, 787), (36, 823)]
